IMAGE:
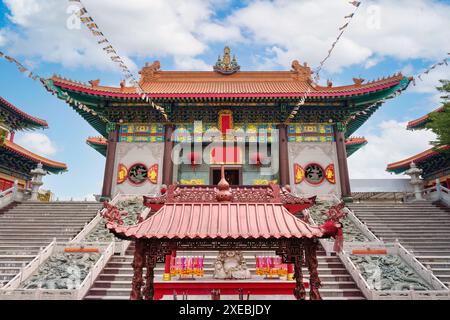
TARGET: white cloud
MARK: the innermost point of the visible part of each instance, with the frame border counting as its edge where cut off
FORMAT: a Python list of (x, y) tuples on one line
[(2, 38), (430, 81), (184, 30), (392, 143), (189, 63), (305, 30), (136, 28), (37, 142)]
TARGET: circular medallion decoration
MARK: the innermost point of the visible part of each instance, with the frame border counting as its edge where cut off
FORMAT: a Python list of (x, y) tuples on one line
[(314, 173), (138, 173)]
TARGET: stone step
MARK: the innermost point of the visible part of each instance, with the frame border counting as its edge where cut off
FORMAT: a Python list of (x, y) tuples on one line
[(420, 252), (251, 264), (126, 292), (127, 277), (434, 258), (43, 225), (223, 297), (397, 217), (128, 270), (441, 271), (127, 284), (8, 269), (61, 231)]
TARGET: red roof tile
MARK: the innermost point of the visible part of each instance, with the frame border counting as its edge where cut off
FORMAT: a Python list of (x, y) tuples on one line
[(32, 156), (416, 158), (97, 141), (355, 141), (35, 120), (191, 84), (218, 221), (422, 120)]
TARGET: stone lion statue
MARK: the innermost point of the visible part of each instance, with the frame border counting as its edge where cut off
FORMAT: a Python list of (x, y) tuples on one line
[(231, 265)]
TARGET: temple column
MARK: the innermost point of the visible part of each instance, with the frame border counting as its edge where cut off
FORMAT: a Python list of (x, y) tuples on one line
[(168, 147), (342, 160), (138, 265), (167, 262), (312, 263), (113, 137), (299, 290), (284, 155), (149, 290)]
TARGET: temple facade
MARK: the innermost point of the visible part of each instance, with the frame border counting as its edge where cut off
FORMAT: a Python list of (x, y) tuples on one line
[(16, 162), (248, 121), (434, 162)]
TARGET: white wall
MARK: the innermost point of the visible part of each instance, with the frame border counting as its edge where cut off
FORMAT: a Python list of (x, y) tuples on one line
[(132, 153), (322, 153)]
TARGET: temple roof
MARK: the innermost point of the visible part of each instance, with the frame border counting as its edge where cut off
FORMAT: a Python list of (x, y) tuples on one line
[(423, 157), (17, 119), (98, 143), (52, 166), (218, 221), (210, 84), (353, 144), (422, 121)]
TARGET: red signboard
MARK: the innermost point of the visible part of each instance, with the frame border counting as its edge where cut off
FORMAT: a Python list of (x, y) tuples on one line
[(225, 155)]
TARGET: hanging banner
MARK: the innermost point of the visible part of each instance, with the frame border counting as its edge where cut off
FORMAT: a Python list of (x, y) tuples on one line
[(299, 173), (89, 22), (122, 173), (153, 174), (330, 174)]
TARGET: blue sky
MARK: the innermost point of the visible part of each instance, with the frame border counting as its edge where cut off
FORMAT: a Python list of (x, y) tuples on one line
[(382, 39)]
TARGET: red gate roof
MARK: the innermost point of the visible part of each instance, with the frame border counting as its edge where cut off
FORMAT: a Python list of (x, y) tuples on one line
[(218, 221)]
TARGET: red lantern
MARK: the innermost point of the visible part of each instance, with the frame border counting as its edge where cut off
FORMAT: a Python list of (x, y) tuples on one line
[(194, 158), (257, 158)]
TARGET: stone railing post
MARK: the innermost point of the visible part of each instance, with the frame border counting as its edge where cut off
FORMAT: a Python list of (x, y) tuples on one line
[(36, 181), (438, 190)]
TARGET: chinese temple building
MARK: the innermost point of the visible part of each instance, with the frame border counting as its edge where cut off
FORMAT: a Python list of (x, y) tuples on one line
[(435, 162), (16, 162), (207, 119)]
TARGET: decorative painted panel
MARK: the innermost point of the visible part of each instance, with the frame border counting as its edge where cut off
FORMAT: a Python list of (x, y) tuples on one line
[(261, 132), (310, 132), (153, 132)]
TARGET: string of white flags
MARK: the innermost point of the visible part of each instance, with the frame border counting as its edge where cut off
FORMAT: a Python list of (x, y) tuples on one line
[(48, 85), (431, 68), (112, 53), (316, 76), (342, 29)]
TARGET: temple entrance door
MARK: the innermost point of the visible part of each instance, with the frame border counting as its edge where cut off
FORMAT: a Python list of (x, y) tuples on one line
[(232, 175)]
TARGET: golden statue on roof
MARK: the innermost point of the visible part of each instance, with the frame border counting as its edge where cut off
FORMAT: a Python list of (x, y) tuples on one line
[(226, 65)]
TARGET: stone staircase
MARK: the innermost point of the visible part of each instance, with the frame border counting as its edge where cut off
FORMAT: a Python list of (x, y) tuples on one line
[(115, 280), (26, 227), (421, 227)]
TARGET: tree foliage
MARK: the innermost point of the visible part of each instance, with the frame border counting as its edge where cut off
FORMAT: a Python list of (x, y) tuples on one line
[(440, 121)]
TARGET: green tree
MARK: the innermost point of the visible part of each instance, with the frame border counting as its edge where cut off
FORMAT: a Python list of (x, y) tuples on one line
[(440, 121)]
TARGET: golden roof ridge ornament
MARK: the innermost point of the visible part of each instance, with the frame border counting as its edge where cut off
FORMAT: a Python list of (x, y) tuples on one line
[(226, 65)]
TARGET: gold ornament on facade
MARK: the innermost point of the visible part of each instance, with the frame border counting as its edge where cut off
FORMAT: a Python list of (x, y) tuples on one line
[(301, 72), (226, 65), (149, 72)]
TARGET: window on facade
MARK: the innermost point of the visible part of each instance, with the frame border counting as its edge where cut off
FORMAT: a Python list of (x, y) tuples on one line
[(138, 173), (314, 173)]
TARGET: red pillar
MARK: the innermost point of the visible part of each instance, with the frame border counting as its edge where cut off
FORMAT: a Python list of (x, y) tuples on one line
[(167, 162), (290, 271), (11, 136), (113, 136), (167, 276), (284, 157), (342, 161)]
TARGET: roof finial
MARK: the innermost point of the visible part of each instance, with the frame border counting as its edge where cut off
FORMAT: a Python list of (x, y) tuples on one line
[(223, 193)]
